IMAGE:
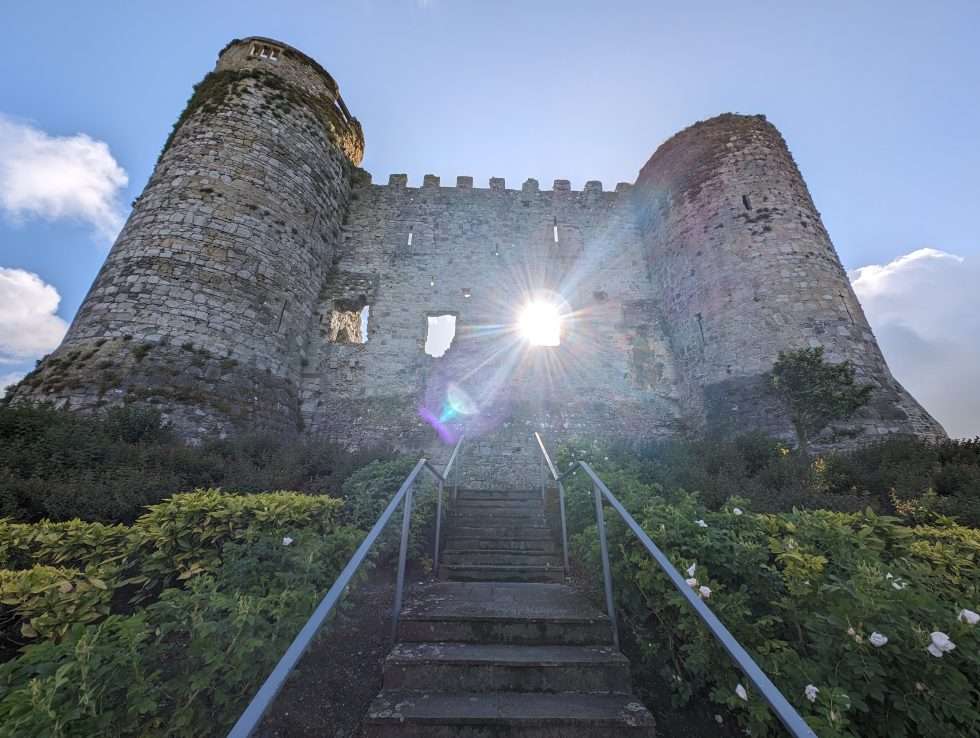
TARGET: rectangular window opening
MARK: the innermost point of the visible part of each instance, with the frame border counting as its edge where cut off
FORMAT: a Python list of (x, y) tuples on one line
[(439, 334), (349, 321), (556, 229)]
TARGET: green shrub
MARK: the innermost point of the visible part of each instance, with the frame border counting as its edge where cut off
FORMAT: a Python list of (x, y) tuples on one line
[(803, 591), (225, 581), (60, 465), (48, 601), (97, 682), (228, 582), (368, 491), (184, 536), (71, 543), (890, 476)]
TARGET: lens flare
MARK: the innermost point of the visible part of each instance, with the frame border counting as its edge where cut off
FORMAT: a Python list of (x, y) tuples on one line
[(458, 402), (540, 323)]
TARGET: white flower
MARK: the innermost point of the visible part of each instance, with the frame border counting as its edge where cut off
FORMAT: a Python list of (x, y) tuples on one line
[(811, 692), (941, 640), (700, 523), (969, 617), (719, 719), (740, 691), (693, 568), (920, 686), (704, 592), (286, 540), (877, 640), (897, 582), (692, 582), (736, 510), (940, 644)]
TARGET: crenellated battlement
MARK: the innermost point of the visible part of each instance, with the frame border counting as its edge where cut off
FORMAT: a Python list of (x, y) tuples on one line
[(495, 184)]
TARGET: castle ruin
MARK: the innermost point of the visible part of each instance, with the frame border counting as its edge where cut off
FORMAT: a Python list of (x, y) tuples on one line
[(263, 280)]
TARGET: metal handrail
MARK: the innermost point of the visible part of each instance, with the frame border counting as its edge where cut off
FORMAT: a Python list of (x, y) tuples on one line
[(545, 459), (263, 699), (443, 480), (786, 713)]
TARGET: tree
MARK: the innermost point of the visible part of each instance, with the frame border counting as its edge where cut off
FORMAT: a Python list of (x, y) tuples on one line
[(816, 392)]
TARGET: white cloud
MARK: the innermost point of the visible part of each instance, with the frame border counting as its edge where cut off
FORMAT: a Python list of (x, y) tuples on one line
[(925, 310), (59, 177), (29, 327)]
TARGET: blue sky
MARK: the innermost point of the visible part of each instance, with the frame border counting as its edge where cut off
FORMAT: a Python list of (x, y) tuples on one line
[(879, 102)]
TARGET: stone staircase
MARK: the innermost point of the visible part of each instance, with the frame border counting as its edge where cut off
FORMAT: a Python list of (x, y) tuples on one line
[(502, 647)]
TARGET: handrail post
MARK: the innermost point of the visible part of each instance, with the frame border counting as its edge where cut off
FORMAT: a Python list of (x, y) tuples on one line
[(564, 532), (541, 475), (459, 468), (435, 555), (402, 558), (606, 572)]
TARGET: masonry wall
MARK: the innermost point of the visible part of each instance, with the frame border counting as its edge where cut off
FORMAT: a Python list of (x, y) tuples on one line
[(746, 269), (205, 301), (233, 297), (481, 254)]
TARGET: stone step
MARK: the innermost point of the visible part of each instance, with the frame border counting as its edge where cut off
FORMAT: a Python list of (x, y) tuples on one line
[(492, 510), (491, 514), (536, 544), (406, 714), (497, 521), (499, 531), (502, 612), (500, 573), (506, 557), (470, 667), (480, 503), (490, 494)]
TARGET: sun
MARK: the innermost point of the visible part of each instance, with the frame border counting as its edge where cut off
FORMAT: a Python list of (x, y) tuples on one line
[(540, 323)]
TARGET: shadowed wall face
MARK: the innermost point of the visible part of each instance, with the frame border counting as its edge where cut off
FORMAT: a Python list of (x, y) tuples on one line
[(746, 269)]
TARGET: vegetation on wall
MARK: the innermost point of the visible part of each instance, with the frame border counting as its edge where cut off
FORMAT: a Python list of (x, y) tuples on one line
[(220, 87)]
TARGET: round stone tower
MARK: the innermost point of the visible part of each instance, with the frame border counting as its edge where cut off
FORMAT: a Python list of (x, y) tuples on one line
[(203, 305), (746, 269)]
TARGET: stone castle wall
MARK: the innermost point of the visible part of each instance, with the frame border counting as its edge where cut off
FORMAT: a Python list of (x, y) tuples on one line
[(481, 254), (235, 294), (746, 269), (212, 283)]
